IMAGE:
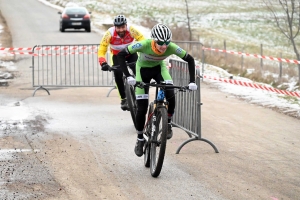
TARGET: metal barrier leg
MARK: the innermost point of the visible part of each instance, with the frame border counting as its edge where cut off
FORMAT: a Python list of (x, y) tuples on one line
[(40, 87), (110, 91), (197, 138), (189, 134)]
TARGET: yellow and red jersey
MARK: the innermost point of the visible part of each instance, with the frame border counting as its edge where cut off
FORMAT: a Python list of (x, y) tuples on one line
[(116, 43)]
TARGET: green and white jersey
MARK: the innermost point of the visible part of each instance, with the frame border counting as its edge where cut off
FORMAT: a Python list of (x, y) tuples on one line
[(148, 57)]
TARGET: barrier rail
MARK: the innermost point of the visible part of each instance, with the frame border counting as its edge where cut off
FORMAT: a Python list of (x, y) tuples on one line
[(68, 66), (188, 105)]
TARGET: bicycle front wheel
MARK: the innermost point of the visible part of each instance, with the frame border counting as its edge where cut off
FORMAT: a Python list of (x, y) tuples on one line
[(159, 143), (131, 100)]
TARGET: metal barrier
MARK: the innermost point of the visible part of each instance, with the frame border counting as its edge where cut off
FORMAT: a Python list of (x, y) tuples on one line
[(77, 66), (68, 66), (188, 105)]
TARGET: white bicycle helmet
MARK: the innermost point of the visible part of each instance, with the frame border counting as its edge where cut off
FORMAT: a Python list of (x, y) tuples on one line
[(161, 32), (120, 20)]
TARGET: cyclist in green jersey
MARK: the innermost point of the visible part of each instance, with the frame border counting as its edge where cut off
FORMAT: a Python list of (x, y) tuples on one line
[(151, 65)]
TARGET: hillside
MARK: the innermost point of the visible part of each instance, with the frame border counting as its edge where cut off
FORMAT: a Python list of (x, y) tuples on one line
[(244, 24)]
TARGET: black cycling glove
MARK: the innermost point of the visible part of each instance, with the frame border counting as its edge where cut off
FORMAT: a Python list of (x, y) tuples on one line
[(105, 66)]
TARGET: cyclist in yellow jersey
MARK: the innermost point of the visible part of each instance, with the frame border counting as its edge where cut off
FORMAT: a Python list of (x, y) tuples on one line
[(118, 37)]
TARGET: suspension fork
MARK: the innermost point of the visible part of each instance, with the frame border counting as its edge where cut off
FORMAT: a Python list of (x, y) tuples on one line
[(153, 126)]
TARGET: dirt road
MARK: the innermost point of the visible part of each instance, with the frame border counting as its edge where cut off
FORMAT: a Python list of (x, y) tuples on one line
[(77, 144)]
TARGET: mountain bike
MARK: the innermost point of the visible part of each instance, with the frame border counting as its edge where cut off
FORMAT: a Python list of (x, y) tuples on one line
[(129, 91), (156, 127)]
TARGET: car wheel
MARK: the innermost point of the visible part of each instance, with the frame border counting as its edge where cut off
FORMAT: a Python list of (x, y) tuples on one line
[(88, 29), (61, 28)]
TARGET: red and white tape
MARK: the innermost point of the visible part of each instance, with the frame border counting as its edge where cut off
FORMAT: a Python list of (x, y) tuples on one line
[(255, 55), (15, 49), (253, 85), (51, 54), (246, 84), (49, 48), (58, 48)]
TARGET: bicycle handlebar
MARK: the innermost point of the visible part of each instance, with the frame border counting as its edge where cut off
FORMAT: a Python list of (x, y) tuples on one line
[(115, 67), (141, 84)]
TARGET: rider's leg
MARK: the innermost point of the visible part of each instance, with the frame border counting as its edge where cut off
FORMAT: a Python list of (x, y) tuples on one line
[(119, 78), (142, 106), (170, 96), (142, 97), (119, 82), (118, 74), (165, 76)]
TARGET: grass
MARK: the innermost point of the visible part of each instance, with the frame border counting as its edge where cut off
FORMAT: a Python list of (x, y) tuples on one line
[(269, 74), (243, 24), (293, 100)]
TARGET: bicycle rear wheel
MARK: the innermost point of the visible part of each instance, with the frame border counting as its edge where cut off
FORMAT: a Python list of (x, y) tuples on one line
[(131, 100), (148, 133), (158, 145)]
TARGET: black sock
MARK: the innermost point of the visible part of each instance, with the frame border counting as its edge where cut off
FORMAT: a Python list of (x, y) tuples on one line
[(140, 136)]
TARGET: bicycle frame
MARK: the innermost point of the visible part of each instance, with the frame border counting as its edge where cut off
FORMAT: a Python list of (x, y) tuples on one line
[(158, 102), (155, 129), (129, 91)]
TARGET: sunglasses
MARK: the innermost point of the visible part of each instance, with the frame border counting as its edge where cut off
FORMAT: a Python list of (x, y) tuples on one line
[(161, 43)]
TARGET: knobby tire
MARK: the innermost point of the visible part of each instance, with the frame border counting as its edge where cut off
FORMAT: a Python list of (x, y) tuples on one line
[(158, 147), (131, 100)]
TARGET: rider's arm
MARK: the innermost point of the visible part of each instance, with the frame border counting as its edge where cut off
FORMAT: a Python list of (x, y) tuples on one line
[(105, 41), (175, 49), (191, 62), (122, 61), (136, 34), (130, 49)]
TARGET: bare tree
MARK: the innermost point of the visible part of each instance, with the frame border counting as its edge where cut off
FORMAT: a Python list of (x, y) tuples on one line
[(288, 21), (188, 20), (200, 13)]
